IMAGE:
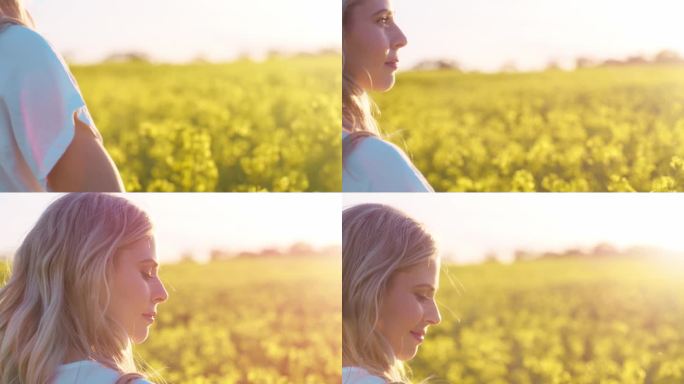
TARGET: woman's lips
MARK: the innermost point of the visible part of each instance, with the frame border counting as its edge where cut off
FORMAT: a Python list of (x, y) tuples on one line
[(150, 316), (392, 64), (418, 336)]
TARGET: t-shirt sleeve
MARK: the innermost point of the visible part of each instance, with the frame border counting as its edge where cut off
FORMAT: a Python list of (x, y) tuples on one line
[(370, 380), (142, 381), (360, 377), (42, 97), (388, 169)]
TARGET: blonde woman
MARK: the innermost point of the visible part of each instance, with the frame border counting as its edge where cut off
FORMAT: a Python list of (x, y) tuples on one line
[(371, 41), (48, 141), (83, 287), (390, 273)]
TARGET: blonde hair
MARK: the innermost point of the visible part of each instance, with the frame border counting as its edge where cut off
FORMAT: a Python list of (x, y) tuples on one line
[(357, 106), (14, 12), (55, 302), (377, 242)]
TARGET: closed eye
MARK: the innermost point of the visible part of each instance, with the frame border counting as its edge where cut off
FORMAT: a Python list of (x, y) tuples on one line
[(422, 297)]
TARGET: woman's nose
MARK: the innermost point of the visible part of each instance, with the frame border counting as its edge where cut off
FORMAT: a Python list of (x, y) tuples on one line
[(161, 295), (434, 317), (399, 39)]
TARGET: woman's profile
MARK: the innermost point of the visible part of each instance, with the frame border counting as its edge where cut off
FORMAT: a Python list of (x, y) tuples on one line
[(48, 141), (83, 287), (390, 273), (371, 40)]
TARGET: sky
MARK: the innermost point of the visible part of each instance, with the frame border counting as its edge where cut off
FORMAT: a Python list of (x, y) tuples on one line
[(200, 222), (483, 35), (468, 226), (180, 30), (480, 35)]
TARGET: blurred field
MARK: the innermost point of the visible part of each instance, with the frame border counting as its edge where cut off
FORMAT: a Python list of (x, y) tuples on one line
[(568, 321), (600, 129), (265, 321), (244, 126)]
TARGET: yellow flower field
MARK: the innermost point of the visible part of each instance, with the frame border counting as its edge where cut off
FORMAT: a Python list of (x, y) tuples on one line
[(243, 126), (565, 321), (600, 129)]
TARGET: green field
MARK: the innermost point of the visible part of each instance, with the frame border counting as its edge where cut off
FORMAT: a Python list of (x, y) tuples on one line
[(270, 321), (569, 321), (244, 126), (600, 129)]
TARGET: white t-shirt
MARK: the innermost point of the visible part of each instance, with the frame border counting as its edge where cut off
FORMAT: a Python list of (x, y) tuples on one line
[(38, 99), (89, 372), (356, 375), (375, 165)]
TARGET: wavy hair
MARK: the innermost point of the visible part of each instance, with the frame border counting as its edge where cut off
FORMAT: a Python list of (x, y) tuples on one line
[(14, 12), (357, 106), (377, 242), (55, 302)]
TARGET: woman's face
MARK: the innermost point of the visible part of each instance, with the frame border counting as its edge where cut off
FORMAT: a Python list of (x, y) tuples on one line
[(408, 308), (371, 41), (136, 288)]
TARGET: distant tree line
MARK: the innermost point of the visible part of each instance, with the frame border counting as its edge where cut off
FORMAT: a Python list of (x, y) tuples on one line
[(599, 251), (299, 249), (665, 57), (142, 57)]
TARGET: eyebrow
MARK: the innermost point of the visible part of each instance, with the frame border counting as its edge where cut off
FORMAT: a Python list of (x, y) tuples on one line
[(148, 261), (428, 286), (384, 10)]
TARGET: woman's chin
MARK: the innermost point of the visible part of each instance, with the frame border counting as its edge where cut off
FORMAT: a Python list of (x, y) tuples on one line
[(408, 355), (384, 85), (140, 338)]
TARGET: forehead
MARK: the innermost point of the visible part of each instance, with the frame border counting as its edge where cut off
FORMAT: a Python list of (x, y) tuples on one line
[(139, 250), (372, 6), (423, 273)]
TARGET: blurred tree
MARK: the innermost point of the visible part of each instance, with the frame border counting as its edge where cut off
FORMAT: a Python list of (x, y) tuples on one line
[(668, 57), (439, 64)]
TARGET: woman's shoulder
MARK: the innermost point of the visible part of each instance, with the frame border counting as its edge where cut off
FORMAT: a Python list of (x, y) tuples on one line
[(356, 375), (386, 166), (378, 151), (19, 44), (89, 372), (19, 39)]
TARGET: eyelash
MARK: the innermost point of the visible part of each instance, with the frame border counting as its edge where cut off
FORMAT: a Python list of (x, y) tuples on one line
[(422, 298)]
